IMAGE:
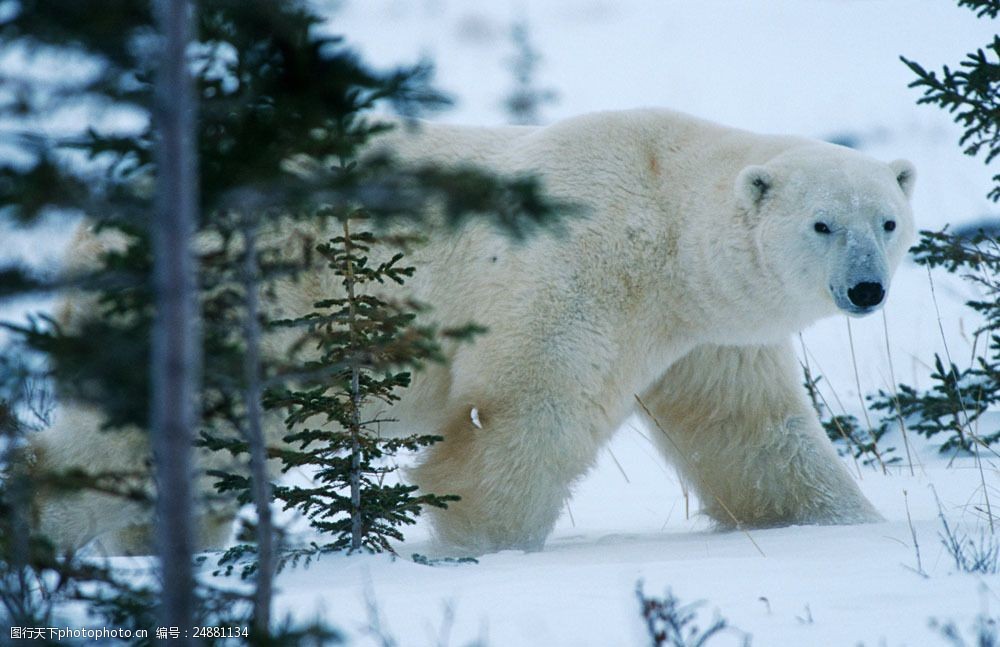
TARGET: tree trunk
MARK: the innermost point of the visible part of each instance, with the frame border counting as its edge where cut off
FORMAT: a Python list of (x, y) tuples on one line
[(355, 476), (175, 344), (261, 485)]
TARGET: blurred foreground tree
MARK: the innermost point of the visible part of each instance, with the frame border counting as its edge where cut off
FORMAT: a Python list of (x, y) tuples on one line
[(274, 93), (526, 99), (175, 356)]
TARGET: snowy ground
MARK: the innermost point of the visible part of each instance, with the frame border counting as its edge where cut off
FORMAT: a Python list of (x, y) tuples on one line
[(820, 68), (812, 585)]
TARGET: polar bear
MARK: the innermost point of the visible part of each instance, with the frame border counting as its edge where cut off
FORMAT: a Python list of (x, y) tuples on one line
[(694, 253)]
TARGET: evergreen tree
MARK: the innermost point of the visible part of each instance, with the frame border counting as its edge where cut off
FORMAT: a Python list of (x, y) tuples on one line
[(273, 93), (959, 396), (365, 345), (971, 92)]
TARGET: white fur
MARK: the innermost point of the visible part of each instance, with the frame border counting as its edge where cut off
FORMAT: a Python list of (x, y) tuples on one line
[(691, 259)]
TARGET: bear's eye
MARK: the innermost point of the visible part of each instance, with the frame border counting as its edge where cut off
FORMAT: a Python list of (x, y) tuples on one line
[(889, 225), (821, 228)]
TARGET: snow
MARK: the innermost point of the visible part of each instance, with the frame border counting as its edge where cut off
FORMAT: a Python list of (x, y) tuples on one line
[(858, 583), (820, 68)]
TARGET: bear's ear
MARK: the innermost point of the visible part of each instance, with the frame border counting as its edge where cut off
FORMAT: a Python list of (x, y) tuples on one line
[(753, 186), (906, 175)]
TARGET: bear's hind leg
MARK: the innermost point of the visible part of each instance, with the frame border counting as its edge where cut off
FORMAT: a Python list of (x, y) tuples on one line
[(513, 472), (71, 519), (737, 425)]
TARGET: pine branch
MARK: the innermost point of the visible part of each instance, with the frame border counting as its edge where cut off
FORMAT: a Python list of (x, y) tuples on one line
[(971, 93)]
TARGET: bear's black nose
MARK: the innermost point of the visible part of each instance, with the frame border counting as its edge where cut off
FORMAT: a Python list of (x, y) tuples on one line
[(866, 295)]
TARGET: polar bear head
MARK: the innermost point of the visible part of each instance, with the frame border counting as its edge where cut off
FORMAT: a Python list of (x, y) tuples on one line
[(830, 224)]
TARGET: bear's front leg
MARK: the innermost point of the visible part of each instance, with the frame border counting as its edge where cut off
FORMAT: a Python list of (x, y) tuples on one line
[(512, 467), (736, 423)]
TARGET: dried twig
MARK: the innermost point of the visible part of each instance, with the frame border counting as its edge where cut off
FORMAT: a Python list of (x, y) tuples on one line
[(737, 522)]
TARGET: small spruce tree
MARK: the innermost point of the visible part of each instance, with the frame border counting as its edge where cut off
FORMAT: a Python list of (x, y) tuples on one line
[(366, 348), (952, 407)]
